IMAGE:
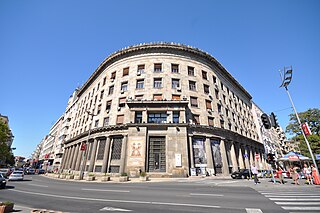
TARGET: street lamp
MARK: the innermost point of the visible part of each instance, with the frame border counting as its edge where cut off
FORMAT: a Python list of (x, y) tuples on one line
[(286, 79), (83, 148)]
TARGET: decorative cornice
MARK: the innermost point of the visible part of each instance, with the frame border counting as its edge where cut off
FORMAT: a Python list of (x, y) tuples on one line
[(153, 46)]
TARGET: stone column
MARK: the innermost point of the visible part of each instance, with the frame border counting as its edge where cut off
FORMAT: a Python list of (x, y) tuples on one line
[(123, 154), (76, 153), (79, 157), (71, 157), (247, 159), (209, 156), (106, 156), (93, 155), (225, 166), (66, 166), (251, 155), (64, 158), (241, 164), (191, 152), (233, 157)]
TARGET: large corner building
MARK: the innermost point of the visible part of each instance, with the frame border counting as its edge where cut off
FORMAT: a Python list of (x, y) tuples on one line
[(164, 108)]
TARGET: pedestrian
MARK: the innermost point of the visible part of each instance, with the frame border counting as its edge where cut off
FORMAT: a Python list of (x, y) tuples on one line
[(280, 176), (254, 171), (307, 173), (315, 175), (295, 175)]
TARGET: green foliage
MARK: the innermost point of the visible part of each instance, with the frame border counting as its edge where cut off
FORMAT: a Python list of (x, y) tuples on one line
[(5, 152), (312, 117), (143, 174), (124, 174)]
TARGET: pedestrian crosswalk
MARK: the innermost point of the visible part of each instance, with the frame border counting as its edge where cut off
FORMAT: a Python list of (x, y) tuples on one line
[(295, 200)]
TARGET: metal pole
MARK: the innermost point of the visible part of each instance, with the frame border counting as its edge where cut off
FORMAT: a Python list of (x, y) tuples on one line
[(265, 155), (305, 137)]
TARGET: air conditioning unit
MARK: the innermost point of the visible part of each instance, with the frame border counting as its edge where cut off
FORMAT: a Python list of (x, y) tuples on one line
[(122, 91), (119, 108), (112, 79), (138, 72), (210, 96), (107, 111), (178, 89), (184, 98)]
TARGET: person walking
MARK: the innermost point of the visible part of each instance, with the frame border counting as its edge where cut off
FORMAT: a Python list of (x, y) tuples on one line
[(307, 173), (315, 175), (294, 174), (254, 171), (280, 176)]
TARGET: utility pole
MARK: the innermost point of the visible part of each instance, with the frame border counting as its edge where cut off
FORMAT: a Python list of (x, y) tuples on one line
[(286, 79)]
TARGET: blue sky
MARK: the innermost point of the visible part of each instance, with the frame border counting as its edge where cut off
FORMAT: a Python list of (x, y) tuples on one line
[(48, 48)]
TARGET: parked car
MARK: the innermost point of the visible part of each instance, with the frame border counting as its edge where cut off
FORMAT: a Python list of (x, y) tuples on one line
[(241, 174), (16, 175), (41, 171), (5, 172), (31, 171), (3, 182)]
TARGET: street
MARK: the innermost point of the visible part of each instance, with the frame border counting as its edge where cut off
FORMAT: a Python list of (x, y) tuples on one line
[(185, 195)]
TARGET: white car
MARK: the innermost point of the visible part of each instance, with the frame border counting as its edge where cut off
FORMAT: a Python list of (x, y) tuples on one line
[(16, 175)]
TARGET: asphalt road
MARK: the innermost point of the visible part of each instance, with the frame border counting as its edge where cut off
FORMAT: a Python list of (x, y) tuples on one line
[(38, 192)]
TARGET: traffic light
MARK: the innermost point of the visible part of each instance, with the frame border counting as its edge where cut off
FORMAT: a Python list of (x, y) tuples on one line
[(273, 119), (266, 121), (270, 158)]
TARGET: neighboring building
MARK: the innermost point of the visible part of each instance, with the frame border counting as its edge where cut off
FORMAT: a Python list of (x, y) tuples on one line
[(19, 161), (164, 108), (36, 158)]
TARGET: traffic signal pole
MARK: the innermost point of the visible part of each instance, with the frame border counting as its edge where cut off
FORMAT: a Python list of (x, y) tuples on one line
[(304, 135), (286, 79)]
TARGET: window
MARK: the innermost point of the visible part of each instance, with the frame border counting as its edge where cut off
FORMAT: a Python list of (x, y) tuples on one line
[(157, 97), (140, 84), (116, 148), (157, 83), (108, 105), (216, 93), (194, 101), (204, 75), (221, 86), (230, 126), (102, 146), (158, 117), (120, 119), (208, 104), (196, 119), (113, 75), (222, 124), (104, 81), (175, 83), (106, 121), (99, 109), (124, 86), (122, 102), (138, 97), (192, 85), (214, 79), (176, 97), (210, 121), (175, 117), (140, 69), (101, 94), (98, 87), (138, 117), (96, 123), (206, 89), (190, 71), (227, 112), (158, 67), (175, 68), (219, 108), (125, 71), (111, 88)]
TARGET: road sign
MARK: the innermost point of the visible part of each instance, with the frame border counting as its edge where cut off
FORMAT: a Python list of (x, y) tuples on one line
[(245, 155), (83, 147), (257, 156)]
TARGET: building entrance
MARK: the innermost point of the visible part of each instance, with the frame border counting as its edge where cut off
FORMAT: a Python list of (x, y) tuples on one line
[(157, 154)]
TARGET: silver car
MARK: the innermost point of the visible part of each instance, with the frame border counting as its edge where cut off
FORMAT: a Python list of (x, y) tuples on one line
[(16, 175)]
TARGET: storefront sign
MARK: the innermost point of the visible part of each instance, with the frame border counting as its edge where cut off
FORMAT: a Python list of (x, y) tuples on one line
[(178, 160)]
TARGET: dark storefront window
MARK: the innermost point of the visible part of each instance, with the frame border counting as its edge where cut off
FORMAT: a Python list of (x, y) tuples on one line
[(138, 117), (159, 117), (116, 149), (216, 155)]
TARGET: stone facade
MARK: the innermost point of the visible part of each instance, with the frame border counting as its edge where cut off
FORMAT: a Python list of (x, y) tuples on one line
[(167, 109)]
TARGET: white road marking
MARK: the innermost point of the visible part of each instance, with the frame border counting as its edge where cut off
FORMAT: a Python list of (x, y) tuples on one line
[(289, 193), (111, 209), (214, 195), (116, 201), (253, 210), (37, 185), (105, 190), (296, 199), (300, 208), (291, 196), (298, 203), (226, 182)]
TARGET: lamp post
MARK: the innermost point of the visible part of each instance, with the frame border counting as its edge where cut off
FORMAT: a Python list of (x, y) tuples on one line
[(286, 79), (84, 148)]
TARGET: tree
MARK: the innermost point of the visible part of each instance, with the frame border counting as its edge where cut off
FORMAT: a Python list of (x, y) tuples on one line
[(312, 117), (5, 152)]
